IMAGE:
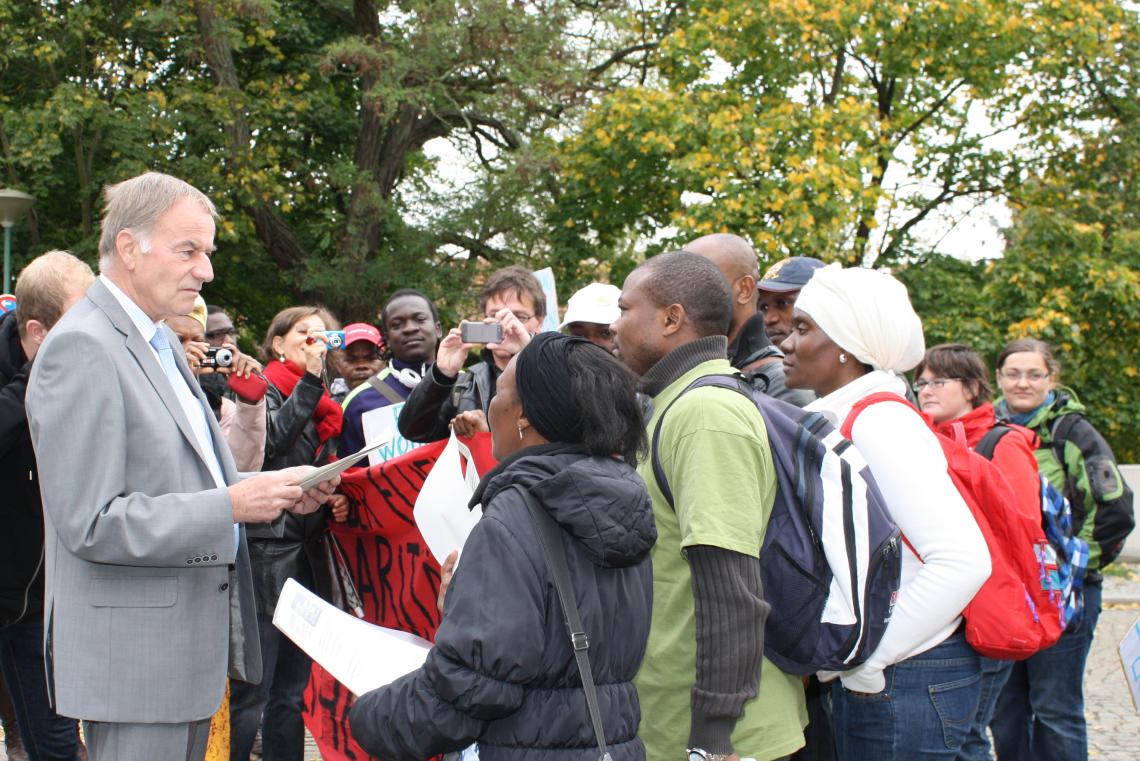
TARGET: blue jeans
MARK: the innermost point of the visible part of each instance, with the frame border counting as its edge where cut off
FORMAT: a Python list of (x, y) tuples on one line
[(923, 713), (976, 746), (47, 736), (276, 704), (1040, 713)]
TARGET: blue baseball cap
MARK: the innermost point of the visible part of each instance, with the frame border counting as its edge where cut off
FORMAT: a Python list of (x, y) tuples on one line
[(789, 274)]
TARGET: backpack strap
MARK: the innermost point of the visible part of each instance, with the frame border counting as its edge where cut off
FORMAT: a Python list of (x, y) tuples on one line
[(849, 423), (1061, 431), (737, 382), (988, 445), (864, 403), (550, 536)]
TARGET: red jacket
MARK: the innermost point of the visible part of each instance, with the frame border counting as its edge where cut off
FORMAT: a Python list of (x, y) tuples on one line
[(1013, 455)]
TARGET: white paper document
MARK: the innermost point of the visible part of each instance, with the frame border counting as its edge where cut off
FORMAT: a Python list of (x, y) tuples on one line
[(335, 468), (441, 511), (383, 424), (359, 655)]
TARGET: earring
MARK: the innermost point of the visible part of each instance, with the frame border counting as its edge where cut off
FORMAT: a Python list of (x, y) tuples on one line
[(842, 359), (281, 357), (520, 432)]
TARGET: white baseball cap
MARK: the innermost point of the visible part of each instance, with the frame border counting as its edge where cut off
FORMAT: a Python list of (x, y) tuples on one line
[(597, 303)]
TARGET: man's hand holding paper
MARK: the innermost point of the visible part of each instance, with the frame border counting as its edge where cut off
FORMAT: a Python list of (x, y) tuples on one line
[(315, 495)]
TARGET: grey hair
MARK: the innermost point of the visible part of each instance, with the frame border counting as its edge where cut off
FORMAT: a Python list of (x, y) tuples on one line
[(136, 204)]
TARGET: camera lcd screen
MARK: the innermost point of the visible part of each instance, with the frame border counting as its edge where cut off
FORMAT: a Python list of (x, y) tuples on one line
[(481, 332)]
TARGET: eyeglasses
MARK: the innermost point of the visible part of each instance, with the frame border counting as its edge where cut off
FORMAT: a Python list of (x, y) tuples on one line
[(1033, 376), (520, 316), (220, 333), (934, 383)]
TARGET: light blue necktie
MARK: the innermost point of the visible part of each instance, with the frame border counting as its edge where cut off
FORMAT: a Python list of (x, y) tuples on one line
[(166, 357), (197, 421)]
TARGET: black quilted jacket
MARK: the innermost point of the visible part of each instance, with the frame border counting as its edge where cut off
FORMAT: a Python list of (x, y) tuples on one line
[(502, 672)]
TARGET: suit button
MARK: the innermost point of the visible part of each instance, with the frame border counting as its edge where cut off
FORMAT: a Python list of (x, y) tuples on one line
[(213, 557), (189, 561), (224, 586)]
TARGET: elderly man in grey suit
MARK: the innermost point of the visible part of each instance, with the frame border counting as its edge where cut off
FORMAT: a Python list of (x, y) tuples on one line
[(149, 592)]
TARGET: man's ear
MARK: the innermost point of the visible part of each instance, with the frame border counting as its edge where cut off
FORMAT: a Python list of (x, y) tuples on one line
[(127, 249), (744, 289), (673, 317), (438, 331), (36, 331)]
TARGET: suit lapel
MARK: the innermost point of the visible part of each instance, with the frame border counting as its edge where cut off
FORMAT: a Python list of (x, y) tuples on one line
[(148, 362)]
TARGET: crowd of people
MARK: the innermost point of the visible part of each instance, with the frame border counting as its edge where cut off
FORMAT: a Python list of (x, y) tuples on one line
[(160, 510)]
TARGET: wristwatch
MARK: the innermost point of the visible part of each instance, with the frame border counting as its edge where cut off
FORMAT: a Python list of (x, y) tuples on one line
[(699, 754)]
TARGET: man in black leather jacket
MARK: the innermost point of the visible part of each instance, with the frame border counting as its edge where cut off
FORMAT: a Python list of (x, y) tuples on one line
[(451, 397)]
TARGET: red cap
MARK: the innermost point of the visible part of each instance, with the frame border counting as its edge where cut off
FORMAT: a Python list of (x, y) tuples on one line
[(360, 331)]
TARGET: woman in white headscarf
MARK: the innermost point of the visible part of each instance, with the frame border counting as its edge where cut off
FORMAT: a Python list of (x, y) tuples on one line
[(854, 332)]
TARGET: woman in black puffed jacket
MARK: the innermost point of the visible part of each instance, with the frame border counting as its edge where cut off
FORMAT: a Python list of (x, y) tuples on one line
[(565, 424)]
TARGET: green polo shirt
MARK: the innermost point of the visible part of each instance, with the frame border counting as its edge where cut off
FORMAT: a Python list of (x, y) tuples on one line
[(715, 454)]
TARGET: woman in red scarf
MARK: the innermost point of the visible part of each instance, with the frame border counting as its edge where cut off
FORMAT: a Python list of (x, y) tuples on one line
[(952, 386), (302, 429)]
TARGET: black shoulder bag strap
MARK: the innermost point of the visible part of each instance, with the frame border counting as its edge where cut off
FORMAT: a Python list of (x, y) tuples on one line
[(988, 445), (551, 536)]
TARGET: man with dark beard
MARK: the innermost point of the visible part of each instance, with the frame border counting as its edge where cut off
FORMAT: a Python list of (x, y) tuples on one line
[(412, 332)]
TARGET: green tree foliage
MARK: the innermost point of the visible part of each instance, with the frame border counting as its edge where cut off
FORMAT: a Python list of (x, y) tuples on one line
[(788, 118), (306, 122), (1070, 274)]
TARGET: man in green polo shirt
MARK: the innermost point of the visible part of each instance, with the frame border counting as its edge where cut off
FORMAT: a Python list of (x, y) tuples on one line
[(705, 688)]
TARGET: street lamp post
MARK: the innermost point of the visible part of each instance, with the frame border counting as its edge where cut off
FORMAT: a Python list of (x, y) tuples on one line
[(13, 206)]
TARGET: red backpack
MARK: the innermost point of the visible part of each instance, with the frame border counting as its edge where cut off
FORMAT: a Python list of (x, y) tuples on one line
[(1009, 617)]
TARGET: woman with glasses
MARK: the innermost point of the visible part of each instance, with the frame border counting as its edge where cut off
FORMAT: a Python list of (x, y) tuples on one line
[(952, 387), (1040, 712), (854, 332)]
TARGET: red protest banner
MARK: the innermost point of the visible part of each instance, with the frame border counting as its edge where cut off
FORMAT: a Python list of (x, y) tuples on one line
[(396, 575)]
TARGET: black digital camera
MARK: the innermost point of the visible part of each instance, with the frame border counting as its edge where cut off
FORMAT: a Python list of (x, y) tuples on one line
[(218, 356)]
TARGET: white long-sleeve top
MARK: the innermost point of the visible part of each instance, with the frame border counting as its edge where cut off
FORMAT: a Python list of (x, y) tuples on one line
[(908, 464)]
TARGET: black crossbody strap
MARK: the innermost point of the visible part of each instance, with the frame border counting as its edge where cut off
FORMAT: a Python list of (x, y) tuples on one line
[(551, 536)]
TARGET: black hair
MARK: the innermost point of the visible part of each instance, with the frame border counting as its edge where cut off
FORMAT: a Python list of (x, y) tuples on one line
[(408, 292), (214, 309), (609, 409), (688, 279)]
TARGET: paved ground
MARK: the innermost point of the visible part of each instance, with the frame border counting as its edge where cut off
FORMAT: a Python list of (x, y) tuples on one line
[(1114, 724)]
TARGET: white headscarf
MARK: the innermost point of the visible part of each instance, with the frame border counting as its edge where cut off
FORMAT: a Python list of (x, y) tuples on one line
[(867, 313)]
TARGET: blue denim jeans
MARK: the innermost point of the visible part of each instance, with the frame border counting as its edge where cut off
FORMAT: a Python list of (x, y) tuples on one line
[(1040, 714), (923, 713), (276, 704), (47, 736), (976, 746)]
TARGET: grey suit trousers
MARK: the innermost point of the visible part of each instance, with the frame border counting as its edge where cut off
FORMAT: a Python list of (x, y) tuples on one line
[(113, 741)]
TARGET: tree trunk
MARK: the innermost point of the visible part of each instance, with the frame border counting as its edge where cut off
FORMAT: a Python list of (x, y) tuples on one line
[(281, 243)]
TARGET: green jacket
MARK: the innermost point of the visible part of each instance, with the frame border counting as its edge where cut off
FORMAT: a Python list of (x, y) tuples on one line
[(1078, 461)]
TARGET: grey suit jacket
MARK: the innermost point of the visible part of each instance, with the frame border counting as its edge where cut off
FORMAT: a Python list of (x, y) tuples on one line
[(146, 602)]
